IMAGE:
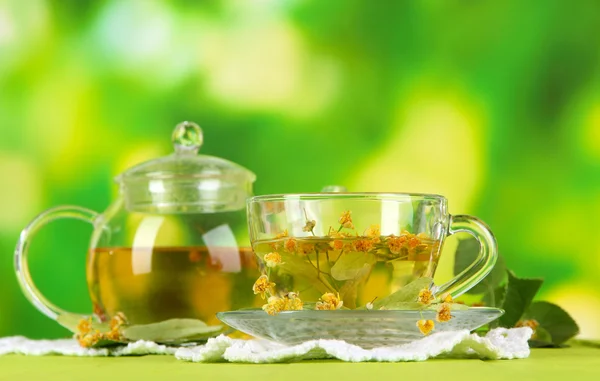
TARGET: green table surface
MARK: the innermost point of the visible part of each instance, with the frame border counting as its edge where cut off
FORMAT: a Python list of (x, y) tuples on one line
[(567, 364)]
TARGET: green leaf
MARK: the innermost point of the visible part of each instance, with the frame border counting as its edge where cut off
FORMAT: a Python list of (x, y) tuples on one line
[(466, 253), (299, 266), (105, 343), (70, 321), (407, 294), (586, 343), (542, 339), (554, 320), (519, 294), (350, 265), (349, 291), (495, 298), (173, 330)]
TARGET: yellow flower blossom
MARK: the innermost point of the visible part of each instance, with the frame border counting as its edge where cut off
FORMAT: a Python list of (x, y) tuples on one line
[(290, 245), (274, 305), (425, 296), (531, 323), (306, 248), (329, 301), (293, 302), (413, 242), (443, 313), (363, 245), (447, 298), (262, 285), (346, 220), (425, 326), (273, 259), (337, 244), (89, 339), (118, 320), (395, 244), (283, 234), (84, 326), (310, 225), (374, 232)]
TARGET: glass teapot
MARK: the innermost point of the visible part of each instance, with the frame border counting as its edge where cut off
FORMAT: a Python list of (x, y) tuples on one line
[(174, 244)]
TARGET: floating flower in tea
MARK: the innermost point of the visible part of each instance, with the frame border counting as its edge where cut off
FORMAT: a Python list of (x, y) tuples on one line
[(272, 259)]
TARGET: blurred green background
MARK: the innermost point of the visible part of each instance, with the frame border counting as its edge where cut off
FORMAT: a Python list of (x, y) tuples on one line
[(494, 104)]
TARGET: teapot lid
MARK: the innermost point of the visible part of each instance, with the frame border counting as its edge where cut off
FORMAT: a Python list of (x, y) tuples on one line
[(185, 182)]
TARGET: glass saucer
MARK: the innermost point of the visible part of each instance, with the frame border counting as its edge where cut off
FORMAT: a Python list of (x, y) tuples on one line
[(367, 329)]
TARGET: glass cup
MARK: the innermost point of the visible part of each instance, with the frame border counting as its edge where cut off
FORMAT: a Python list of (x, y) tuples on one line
[(358, 246)]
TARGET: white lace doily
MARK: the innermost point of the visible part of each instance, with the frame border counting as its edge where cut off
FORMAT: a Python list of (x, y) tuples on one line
[(499, 343), (70, 347)]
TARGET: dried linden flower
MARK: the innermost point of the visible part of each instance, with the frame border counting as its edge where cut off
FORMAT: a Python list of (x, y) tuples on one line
[(274, 305), (346, 220), (273, 259), (374, 232), (84, 326), (395, 244), (531, 323), (425, 326), (283, 234), (310, 225), (329, 301), (262, 285), (293, 302), (337, 244), (290, 245), (306, 248), (425, 296), (363, 245), (443, 313)]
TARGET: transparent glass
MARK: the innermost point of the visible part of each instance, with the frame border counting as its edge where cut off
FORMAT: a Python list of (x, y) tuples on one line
[(360, 245), (174, 244)]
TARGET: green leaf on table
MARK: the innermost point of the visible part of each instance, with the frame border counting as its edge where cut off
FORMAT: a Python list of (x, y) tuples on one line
[(466, 254), (70, 321), (173, 330), (407, 294), (519, 294), (585, 343), (542, 339), (350, 265), (554, 320)]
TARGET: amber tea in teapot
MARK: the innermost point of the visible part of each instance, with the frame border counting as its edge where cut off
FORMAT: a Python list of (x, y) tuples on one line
[(203, 285)]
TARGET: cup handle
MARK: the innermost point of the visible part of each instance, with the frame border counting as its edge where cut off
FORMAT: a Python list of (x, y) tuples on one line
[(488, 254), (21, 266)]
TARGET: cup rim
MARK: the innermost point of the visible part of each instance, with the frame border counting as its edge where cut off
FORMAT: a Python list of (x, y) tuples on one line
[(346, 195)]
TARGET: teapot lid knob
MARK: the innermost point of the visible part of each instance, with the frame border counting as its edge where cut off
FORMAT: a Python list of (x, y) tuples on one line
[(187, 138)]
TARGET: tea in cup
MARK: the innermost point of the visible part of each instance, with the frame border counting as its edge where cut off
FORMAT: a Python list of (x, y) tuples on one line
[(346, 250)]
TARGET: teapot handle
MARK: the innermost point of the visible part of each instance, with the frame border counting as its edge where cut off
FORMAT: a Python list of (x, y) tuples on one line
[(21, 265)]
